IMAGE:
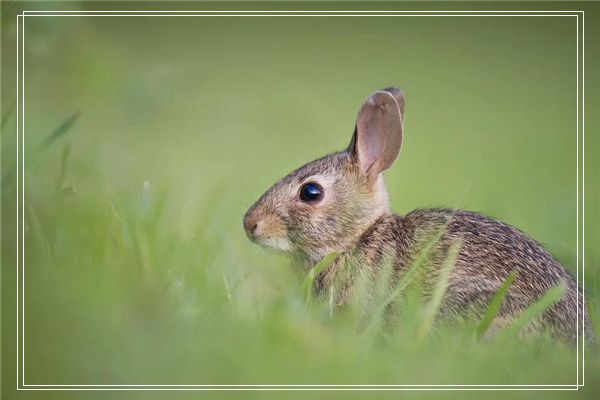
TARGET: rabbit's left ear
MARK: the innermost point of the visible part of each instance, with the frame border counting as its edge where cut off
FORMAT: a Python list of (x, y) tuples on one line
[(378, 135)]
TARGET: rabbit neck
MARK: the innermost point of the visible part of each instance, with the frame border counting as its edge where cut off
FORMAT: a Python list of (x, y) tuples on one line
[(377, 208), (374, 246)]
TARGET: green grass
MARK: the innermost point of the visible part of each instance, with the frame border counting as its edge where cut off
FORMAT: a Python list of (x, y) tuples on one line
[(135, 300), (495, 304), (138, 270)]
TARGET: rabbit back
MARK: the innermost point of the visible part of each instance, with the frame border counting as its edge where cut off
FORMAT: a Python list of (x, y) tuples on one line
[(489, 252)]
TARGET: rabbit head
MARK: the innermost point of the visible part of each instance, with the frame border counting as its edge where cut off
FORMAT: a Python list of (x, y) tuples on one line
[(327, 204)]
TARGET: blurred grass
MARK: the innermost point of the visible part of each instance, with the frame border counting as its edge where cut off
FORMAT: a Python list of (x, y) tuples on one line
[(138, 270), (495, 304)]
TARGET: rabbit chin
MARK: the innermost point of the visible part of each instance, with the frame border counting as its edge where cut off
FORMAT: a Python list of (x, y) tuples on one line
[(276, 243)]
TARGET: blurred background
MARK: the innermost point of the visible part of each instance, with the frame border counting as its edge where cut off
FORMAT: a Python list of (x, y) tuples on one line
[(147, 138)]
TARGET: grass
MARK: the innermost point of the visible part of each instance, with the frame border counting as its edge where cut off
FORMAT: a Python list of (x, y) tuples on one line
[(140, 302), (170, 293), (495, 305), (137, 267)]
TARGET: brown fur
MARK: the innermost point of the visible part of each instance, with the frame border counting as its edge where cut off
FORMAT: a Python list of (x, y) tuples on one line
[(354, 219)]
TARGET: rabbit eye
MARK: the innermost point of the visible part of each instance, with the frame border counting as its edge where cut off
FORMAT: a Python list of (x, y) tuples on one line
[(311, 192)]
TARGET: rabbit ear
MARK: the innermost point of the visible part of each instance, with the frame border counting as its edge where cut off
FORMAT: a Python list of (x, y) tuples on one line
[(378, 135)]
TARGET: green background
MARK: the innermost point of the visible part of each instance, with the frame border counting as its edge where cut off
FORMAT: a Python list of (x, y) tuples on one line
[(137, 267)]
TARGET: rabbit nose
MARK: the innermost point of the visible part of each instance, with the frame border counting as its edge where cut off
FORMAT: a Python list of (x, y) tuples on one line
[(250, 225)]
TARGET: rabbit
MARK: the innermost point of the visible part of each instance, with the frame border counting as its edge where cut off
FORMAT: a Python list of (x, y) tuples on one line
[(339, 204)]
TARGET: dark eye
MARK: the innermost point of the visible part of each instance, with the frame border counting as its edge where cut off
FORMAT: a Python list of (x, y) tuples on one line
[(311, 192)]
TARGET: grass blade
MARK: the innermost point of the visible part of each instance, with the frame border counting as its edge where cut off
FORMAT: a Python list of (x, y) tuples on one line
[(40, 236), (495, 305), (406, 280), (7, 114), (62, 129), (63, 167), (439, 290), (307, 283), (414, 269), (552, 296)]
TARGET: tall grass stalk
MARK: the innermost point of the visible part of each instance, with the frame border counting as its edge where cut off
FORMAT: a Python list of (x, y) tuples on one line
[(440, 289), (553, 295), (495, 305)]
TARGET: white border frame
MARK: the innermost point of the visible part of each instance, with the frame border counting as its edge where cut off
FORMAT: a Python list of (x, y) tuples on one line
[(297, 13)]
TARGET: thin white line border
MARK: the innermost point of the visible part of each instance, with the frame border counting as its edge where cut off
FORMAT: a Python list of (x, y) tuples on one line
[(290, 13)]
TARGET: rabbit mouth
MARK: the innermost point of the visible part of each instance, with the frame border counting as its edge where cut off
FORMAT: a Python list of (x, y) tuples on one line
[(266, 230), (276, 243)]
